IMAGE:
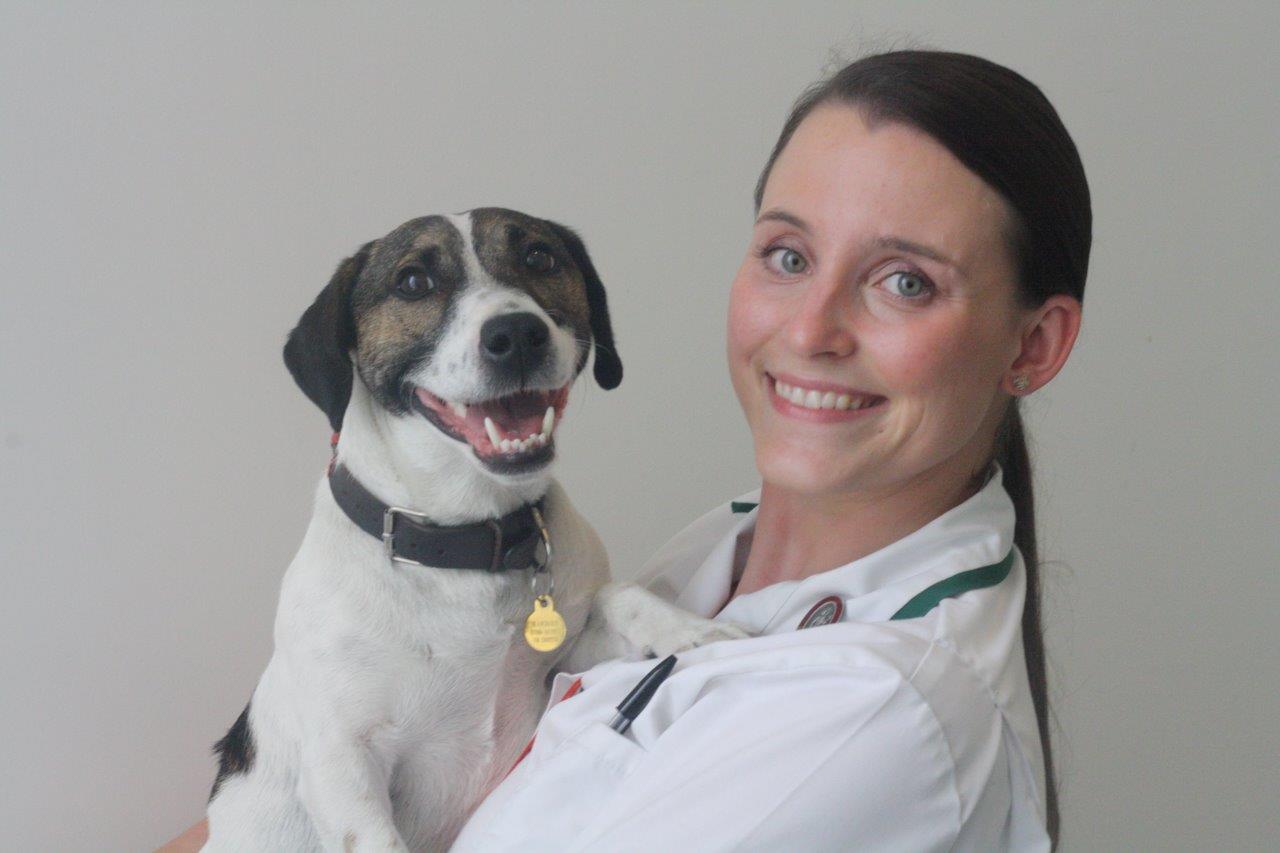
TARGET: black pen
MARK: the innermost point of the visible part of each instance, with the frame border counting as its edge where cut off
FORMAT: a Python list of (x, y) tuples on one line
[(630, 707)]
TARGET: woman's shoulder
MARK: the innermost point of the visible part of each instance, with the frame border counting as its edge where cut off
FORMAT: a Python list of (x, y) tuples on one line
[(909, 657)]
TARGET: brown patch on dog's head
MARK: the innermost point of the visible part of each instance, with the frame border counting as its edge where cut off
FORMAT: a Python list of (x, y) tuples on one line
[(504, 242), (570, 290), (395, 329), (360, 309)]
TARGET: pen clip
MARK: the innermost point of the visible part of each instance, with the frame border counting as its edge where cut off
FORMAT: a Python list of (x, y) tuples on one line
[(635, 701)]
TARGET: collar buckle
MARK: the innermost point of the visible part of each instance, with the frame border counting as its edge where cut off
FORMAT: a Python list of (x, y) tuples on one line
[(389, 536), (389, 531)]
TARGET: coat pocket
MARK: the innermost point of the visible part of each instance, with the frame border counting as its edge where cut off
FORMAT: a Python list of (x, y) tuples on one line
[(547, 805)]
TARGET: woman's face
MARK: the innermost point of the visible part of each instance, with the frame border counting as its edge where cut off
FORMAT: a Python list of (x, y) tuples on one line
[(875, 315)]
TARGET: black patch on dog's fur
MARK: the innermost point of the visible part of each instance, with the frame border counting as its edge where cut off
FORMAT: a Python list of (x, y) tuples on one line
[(316, 351), (235, 751), (608, 367)]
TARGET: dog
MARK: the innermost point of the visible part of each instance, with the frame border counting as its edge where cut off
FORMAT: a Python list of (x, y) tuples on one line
[(416, 630)]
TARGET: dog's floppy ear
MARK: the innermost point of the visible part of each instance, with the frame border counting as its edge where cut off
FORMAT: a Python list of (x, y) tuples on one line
[(608, 367), (316, 352)]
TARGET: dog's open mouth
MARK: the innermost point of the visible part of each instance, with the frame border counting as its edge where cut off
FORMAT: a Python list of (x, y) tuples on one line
[(510, 432)]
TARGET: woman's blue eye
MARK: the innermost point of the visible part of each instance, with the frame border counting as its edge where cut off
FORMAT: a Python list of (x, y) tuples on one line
[(790, 261), (908, 284)]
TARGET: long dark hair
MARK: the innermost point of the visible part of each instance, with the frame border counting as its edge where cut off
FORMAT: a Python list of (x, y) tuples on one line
[(1003, 128)]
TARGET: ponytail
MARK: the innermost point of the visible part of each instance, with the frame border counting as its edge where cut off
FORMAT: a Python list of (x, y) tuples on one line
[(1015, 463)]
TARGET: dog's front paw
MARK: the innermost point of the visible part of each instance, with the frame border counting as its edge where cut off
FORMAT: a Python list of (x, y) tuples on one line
[(629, 619), (693, 632)]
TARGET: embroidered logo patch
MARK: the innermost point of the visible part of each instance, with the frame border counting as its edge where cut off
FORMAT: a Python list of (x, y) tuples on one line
[(826, 611)]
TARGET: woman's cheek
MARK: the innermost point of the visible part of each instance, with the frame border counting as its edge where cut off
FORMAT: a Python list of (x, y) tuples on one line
[(949, 377), (750, 324), (743, 342)]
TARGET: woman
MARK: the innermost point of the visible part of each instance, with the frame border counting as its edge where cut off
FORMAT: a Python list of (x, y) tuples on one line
[(916, 266)]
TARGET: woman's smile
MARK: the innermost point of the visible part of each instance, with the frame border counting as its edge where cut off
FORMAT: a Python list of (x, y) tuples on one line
[(818, 401)]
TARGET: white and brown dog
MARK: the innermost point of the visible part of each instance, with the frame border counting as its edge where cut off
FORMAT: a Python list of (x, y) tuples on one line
[(402, 687)]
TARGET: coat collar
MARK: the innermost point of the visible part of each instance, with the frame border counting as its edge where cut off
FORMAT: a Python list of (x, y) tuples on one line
[(977, 532)]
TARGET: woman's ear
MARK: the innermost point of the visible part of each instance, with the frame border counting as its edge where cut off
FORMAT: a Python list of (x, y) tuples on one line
[(317, 351), (608, 367), (1048, 335)]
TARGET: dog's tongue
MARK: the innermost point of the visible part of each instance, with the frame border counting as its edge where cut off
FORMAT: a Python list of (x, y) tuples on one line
[(516, 416)]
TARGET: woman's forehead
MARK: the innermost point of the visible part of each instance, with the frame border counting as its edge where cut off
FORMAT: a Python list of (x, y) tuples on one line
[(845, 177)]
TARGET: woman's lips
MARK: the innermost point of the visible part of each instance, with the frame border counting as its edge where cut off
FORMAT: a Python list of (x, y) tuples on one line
[(819, 401)]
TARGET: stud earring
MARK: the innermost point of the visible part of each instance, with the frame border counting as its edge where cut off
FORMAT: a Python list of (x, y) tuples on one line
[(1020, 382)]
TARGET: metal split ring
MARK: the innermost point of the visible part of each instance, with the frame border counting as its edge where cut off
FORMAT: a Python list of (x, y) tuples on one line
[(542, 569)]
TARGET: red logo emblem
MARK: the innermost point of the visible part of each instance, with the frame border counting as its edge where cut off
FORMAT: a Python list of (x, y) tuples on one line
[(826, 611)]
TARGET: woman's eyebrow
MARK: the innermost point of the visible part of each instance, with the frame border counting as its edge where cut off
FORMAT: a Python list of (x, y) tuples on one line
[(783, 216), (888, 241), (904, 245)]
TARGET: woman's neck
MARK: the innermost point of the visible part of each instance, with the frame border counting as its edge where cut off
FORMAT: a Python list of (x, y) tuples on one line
[(798, 534)]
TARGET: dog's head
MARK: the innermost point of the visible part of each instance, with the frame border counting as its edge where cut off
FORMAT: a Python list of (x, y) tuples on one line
[(474, 324)]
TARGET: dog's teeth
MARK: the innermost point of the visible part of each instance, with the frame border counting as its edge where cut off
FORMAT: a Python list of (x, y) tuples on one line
[(459, 409), (548, 421), (505, 445), (493, 432)]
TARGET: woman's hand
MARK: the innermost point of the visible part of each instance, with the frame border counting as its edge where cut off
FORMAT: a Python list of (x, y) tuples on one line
[(190, 841)]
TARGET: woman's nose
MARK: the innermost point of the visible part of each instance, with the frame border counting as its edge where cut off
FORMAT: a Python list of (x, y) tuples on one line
[(822, 322)]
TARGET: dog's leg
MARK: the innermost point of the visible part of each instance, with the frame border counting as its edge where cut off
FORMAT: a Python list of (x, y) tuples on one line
[(346, 794), (626, 618)]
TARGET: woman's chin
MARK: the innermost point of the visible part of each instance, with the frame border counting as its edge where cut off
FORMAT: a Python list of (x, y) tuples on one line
[(805, 469)]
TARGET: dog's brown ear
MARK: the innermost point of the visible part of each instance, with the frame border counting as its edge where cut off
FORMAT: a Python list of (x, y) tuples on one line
[(608, 367), (317, 350)]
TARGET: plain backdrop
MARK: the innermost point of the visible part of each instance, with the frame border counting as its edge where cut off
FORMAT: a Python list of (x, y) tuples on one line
[(178, 180)]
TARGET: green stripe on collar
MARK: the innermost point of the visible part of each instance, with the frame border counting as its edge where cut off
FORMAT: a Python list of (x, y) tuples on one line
[(742, 506), (978, 578)]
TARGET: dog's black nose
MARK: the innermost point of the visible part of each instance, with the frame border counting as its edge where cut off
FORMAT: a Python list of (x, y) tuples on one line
[(515, 341)]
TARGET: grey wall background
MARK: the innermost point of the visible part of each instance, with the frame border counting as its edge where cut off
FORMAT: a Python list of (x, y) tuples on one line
[(179, 180)]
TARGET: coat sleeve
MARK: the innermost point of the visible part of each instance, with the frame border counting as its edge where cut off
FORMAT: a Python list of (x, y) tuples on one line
[(811, 758)]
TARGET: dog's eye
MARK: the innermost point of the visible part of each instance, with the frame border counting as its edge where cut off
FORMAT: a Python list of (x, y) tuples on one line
[(414, 284), (539, 259)]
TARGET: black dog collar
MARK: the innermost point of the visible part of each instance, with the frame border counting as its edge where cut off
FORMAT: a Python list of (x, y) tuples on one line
[(494, 545)]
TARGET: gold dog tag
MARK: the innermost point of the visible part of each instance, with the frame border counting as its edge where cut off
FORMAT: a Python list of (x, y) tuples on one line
[(544, 629)]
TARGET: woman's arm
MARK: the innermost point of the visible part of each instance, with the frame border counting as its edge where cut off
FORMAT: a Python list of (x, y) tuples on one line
[(835, 760), (824, 758)]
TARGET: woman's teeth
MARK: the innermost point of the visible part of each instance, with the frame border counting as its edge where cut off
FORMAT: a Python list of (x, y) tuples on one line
[(810, 399), (519, 445)]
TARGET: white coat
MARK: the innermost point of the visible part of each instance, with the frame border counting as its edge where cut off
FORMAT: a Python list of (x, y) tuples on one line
[(870, 733)]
